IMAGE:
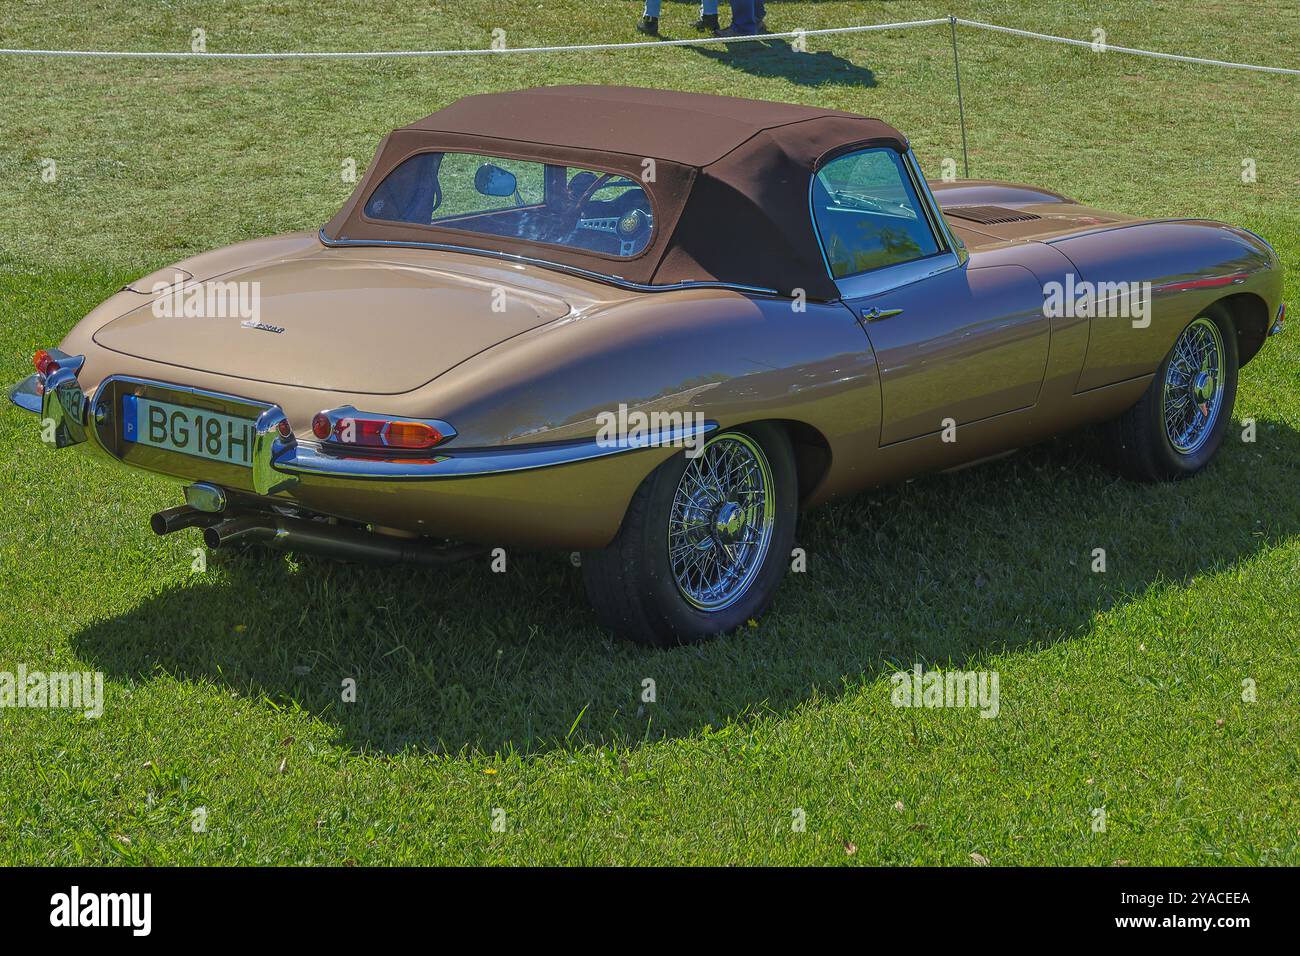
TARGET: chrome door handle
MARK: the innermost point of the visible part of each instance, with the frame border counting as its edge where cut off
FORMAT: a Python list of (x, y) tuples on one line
[(875, 315)]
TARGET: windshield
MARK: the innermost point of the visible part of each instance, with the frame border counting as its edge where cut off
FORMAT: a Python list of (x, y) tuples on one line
[(540, 202)]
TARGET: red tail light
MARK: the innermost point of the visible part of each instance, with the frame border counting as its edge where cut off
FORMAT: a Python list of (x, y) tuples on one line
[(370, 432)]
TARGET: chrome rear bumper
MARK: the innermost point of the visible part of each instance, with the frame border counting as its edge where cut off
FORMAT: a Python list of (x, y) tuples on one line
[(280, 462)]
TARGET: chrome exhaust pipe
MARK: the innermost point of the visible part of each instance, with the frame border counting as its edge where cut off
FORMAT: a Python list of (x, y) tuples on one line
[(331, 541), (232, 530), (182, 516)]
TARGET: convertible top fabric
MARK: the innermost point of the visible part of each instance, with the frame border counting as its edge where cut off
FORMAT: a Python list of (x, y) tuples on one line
[(730, 189)]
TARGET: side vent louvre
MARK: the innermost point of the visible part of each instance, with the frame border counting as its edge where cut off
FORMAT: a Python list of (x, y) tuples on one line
[(988, 215)]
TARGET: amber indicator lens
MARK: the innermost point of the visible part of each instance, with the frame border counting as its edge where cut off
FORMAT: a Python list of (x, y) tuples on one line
[(44, 362), (412, 435)]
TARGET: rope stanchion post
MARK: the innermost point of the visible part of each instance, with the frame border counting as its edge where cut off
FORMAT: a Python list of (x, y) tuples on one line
[(961, 108)]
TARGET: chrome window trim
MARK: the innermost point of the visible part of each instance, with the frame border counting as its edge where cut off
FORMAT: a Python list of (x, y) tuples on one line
[(895, 277), (556, 266), (933, 210), (952, 253)]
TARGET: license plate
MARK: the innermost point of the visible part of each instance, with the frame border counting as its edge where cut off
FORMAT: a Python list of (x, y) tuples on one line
[(190, 431)]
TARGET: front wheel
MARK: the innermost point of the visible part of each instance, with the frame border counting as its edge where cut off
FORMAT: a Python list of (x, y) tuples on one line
[(1177, 426), (704, 544)]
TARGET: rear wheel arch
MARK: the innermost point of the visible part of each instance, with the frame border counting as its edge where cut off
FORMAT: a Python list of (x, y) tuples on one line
[(812, 455)]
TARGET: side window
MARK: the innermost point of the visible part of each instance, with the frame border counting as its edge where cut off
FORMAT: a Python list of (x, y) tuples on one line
[(430, 187), (868, 214)]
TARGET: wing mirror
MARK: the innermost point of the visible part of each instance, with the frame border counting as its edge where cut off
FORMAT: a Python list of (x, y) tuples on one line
[(492, 180)]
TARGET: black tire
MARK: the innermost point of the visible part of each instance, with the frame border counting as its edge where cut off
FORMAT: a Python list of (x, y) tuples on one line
[(631, 583), (1137, 444)]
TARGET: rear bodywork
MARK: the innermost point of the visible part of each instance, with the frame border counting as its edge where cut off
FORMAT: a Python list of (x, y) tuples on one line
[(865, 379)]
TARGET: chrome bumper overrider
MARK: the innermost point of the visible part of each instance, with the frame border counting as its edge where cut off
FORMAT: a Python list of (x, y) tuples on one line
[(279, 463), (57, 399)]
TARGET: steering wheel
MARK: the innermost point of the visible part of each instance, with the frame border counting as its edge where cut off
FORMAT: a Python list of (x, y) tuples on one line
[(579, 203), (623, 226)]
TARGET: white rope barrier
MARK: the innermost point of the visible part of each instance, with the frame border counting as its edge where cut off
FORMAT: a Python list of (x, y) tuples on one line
[(1126, 49), (639, 45), (487, 51)]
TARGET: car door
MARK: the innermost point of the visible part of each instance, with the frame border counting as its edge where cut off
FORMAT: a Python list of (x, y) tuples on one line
[(952, 341)]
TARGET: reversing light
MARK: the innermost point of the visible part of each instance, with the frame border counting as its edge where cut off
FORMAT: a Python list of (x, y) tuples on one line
[(366, 432), (284, 428)]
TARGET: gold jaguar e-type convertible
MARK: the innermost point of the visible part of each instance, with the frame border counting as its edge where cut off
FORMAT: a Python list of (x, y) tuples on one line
[(649, 327)]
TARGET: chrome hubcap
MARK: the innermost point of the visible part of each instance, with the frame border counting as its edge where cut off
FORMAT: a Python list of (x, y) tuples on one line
[(730, 523), (1204, 386), (1193, 386), (720, 526)]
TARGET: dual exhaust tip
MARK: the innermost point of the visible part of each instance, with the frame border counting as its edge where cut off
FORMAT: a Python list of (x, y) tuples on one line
[(322, 538)]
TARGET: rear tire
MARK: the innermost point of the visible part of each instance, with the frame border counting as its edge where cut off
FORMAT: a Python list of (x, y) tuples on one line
[(1179, 423), (730, 516)]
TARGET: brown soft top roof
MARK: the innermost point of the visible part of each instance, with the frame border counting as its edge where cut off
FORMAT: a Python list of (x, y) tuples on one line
[(731, 184)]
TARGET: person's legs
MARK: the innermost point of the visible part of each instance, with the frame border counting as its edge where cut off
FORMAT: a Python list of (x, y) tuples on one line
[(708, 19), (743, 21), (760, 14), (649, 22)]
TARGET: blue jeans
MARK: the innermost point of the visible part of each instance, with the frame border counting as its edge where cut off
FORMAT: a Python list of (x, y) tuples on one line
[(746, 14), (707, 7)]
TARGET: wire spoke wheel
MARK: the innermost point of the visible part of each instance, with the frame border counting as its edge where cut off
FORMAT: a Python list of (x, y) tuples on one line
[(720, 523), (1193, 389)]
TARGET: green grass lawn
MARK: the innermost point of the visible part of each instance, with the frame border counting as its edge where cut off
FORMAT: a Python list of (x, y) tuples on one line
[(479, 691)]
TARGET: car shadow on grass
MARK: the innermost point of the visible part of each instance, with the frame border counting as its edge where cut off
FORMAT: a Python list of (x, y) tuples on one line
[(946, 569)]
